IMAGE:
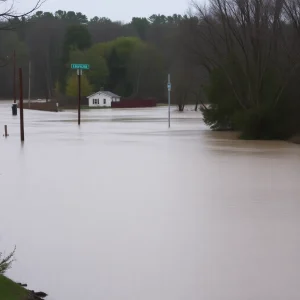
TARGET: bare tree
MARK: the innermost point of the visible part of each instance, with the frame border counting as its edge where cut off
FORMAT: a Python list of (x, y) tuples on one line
[(249, 34), (9, 12), (8, 15), (254, 46)]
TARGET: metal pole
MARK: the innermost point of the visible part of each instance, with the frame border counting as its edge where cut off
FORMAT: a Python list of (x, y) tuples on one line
[(169, 99), (14, 79), (79, 73), (29, 84), (21, 105)]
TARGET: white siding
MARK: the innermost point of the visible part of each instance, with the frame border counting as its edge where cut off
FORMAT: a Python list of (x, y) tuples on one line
[(100, 100)]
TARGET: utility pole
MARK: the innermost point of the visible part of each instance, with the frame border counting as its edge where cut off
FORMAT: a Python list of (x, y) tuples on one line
[(79, 73), (14, 105), (29, 83), (169, 99), (21, 105), (14, 79)]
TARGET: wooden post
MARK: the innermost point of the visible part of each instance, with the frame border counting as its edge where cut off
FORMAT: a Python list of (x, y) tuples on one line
[(14, 79), (21, 105), (14, 106), (29, 83), (169, 100), (5, 131)]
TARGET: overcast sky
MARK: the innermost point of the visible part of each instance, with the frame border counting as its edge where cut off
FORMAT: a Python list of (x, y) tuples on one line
[(122, 10)]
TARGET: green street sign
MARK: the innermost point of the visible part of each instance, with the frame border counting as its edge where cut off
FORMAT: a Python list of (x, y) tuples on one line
[(80, 66)]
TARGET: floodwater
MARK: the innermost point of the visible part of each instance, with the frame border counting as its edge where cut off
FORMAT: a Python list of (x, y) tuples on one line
[(123, 208)]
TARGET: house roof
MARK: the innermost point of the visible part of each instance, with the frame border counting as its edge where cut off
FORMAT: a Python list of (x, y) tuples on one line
[(106, 93)]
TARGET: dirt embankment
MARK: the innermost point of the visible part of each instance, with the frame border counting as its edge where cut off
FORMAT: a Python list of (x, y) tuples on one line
[(45, 106)]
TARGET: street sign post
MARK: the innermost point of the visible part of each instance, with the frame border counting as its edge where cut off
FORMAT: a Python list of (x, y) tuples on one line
[(80, 66), (79, 74)]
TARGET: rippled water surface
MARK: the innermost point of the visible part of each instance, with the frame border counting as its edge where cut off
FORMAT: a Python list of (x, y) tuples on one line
[(123, 208)]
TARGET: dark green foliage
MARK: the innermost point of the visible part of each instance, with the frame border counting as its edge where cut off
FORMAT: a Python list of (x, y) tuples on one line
[(141, 26), (264, 123), (265, 116), (222, 102), (76, 37), (118, 61), (117, 72)]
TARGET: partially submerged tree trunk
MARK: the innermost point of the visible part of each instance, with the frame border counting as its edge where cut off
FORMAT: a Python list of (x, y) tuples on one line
[(196, 106), (181, 107), (182, 92)]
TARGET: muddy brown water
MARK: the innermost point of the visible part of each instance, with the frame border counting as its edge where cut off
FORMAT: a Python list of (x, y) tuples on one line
[(123, 208)]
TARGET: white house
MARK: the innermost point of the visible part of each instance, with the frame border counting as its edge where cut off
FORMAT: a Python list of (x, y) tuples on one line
[(102, 99)]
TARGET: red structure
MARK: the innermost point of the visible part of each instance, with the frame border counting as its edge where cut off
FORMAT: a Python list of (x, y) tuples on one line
[(134, 103)]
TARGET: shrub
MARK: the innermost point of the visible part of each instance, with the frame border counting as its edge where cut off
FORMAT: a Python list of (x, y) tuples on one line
[(6, 261)]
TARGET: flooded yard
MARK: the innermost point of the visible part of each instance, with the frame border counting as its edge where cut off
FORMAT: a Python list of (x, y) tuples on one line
[(124, 208)]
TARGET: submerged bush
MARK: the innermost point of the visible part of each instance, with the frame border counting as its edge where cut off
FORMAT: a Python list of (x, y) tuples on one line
[(264, 115)]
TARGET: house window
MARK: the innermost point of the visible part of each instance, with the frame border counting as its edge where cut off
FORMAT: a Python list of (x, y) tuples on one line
[(104, 101)]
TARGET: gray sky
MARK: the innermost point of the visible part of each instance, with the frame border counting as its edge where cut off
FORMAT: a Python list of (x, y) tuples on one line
[(122, 10)]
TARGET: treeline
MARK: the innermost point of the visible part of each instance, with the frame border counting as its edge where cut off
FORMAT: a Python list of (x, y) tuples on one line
[(130, 59), (251, 51)]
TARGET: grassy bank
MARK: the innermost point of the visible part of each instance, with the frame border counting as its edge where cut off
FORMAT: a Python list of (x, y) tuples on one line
[(10, 290)]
